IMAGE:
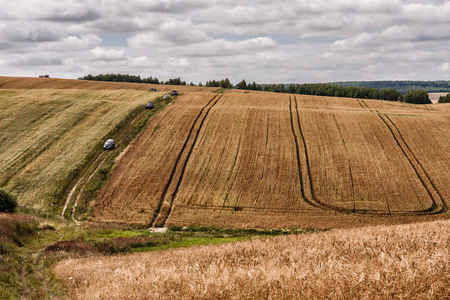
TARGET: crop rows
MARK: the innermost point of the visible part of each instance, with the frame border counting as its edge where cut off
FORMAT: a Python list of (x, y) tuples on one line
[(45, 135), (257, 156)]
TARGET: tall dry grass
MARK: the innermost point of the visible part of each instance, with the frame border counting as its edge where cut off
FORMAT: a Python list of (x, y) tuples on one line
[(384, 262)]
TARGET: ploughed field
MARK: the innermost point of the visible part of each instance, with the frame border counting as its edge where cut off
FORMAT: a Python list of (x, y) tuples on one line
[(265, 159)]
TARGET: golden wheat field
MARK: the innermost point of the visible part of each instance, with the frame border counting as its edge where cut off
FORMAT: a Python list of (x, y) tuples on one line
[(57, 83), (380, 262), (46, 133), (255, 159), (48, 126)]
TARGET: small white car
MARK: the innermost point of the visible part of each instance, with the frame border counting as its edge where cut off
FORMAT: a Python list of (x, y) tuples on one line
[(109, 145)]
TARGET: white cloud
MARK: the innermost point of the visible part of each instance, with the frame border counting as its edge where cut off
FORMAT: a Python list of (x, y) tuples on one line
[(169, 33), (200, 40), (100, 54)]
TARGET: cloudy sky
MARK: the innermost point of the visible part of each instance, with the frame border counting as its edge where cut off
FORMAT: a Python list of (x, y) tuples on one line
[(264, 41)]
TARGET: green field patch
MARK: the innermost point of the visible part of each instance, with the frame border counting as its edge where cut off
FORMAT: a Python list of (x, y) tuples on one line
[(192, 242)]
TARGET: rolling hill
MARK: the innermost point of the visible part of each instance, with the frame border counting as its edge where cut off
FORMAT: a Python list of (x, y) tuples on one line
[(50, 127), (237, 159), (265, 159)]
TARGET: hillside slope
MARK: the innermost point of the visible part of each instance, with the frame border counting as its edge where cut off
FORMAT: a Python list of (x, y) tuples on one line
[(57, 83), (262, 159), (46, 135)]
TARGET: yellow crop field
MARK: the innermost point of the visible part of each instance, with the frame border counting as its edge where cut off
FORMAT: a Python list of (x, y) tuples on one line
[(379, 262), (236, 158), (56, 83), (45, 134), (125, 196), (264, 159)]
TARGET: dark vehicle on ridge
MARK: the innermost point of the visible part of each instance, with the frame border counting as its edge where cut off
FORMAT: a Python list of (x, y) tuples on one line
[(174, 93), (153, 90), (150, 105), (109, 145)]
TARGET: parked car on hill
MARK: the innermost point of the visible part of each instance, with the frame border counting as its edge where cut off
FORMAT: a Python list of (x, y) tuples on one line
[(153, 90), (174, 93), (166, 97), (109, 145), (150, 105)]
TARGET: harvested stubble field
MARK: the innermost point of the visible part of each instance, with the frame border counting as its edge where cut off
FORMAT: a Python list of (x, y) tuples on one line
[(268, 160), (49, 126), (56, 83), (379, 262), (45, 135)]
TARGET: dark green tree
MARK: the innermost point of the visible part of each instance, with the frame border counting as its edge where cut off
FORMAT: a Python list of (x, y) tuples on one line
[(225, 83), (444, 99), (8, 202), (241, 85), (417, 97)]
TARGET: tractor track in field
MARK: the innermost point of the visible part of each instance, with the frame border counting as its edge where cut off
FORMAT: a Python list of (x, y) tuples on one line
[(439, 205), (313, 201), (348, 160), (95, 166), (445, 206), (302, 188), (420, 172), (162, 213)]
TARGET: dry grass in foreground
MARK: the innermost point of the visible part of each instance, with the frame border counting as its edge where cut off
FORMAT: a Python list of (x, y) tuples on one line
[(383, 262)]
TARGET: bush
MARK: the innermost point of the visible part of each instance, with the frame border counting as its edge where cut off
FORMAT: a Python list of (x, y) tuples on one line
[(417, 97), (444, 99), (8, 202)]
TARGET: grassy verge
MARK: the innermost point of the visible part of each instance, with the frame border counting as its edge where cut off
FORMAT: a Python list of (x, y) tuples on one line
[(30, 246), (25, 271), (126, 240)]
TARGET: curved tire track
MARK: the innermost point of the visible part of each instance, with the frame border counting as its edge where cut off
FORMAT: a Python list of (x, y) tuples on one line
[(167, 198), (94, 167), (313, 201)]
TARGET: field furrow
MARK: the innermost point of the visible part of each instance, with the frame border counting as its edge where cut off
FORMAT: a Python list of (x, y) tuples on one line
[(222, 157), (415, 164), (245, 160), (426, 136), (167, 198), (352, 158)]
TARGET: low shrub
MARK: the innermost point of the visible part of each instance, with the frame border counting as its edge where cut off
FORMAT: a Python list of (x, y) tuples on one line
[(8, 202)]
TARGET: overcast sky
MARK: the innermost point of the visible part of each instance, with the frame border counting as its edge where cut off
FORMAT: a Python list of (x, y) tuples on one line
[(264, 41)]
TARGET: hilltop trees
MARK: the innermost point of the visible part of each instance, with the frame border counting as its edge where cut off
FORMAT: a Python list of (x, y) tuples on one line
[(120, 78), (242, 85), (175, 81), (444, 99), (417, 97), (224, 83), (316, 89)]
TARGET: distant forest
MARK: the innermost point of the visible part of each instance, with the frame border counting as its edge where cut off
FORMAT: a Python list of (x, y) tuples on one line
[(121, 78), (401, 86), (383, 90)]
